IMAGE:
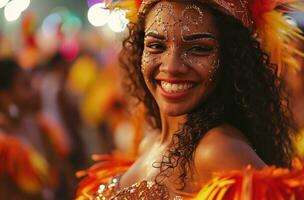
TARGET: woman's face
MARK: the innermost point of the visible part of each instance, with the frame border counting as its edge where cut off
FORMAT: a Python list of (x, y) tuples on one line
[(181, 55)]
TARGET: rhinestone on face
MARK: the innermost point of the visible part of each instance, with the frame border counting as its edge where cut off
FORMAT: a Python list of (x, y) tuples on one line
[(161, 27), (191, 20)]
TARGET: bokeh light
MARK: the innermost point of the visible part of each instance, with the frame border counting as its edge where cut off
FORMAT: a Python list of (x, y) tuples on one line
[(71, 25), (50, 24), (118, 20), (21, 5), (11, 11), (69, 49), (98, 15), (14, 8), (3, 3)]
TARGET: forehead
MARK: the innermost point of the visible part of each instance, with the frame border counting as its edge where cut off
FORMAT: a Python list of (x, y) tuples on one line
[(190, 16)]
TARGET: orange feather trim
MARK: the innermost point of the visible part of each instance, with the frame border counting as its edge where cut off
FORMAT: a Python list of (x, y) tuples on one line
[(23, 165), (275, 32), (268, 184), (101, 172)]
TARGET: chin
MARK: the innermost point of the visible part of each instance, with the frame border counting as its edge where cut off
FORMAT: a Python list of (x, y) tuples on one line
[(173, 111)]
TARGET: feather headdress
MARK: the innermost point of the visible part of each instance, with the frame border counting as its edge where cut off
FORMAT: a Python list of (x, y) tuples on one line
[(264, 18)]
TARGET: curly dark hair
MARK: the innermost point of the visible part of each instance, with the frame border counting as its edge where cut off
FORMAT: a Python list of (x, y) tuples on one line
[(248, 96)]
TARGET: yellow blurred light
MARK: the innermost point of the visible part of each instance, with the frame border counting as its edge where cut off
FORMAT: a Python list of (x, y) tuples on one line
[(83, 73)]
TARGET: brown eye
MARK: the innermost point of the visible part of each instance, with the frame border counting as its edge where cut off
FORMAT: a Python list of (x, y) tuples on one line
[(156, 47), (200, 50)]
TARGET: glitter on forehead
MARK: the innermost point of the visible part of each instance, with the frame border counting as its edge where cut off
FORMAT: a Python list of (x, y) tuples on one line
[(196, 8), (237, 8), (190, 19), (193, 20), (192, 16), (158, 23)]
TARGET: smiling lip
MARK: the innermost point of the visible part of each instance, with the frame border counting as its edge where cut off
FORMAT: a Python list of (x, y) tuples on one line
[(175, 95), (175, 81)]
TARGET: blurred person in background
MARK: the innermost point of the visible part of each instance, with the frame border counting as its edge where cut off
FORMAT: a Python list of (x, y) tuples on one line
[(90, 88), (16, 95), (59, 105), (22, 116), (59, 115), (22, 145)]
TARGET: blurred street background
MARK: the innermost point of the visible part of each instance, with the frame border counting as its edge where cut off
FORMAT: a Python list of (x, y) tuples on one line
[(61, 98)]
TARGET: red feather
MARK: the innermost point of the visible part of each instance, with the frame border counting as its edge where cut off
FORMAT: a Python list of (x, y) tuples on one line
[(138, 3), (260, 7)]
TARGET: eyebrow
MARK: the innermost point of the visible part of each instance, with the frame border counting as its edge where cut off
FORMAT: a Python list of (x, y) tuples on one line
[(199, 36), (155, 35)]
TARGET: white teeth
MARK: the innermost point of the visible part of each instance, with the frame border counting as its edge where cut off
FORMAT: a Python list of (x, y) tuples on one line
[(174, 87)]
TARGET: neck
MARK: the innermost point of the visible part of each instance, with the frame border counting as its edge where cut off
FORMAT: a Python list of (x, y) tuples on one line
[(169, 126)]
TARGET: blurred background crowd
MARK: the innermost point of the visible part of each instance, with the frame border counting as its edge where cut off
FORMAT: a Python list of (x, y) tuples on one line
[(61, 97)]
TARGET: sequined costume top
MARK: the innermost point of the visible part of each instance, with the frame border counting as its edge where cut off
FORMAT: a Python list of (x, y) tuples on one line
[(238, 185), (145, 190)]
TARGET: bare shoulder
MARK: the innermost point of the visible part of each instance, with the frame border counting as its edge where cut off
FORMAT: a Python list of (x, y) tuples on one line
[(224, 148)]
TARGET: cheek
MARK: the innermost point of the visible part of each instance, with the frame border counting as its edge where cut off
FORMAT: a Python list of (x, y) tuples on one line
[(145, 61), (205, 66), (149, 64), (214, 64)]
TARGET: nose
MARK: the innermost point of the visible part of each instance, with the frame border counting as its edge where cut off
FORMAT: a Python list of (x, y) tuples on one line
[(172, 63)]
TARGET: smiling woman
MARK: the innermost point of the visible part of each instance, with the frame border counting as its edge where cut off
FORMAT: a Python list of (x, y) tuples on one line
[(211, 94)]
